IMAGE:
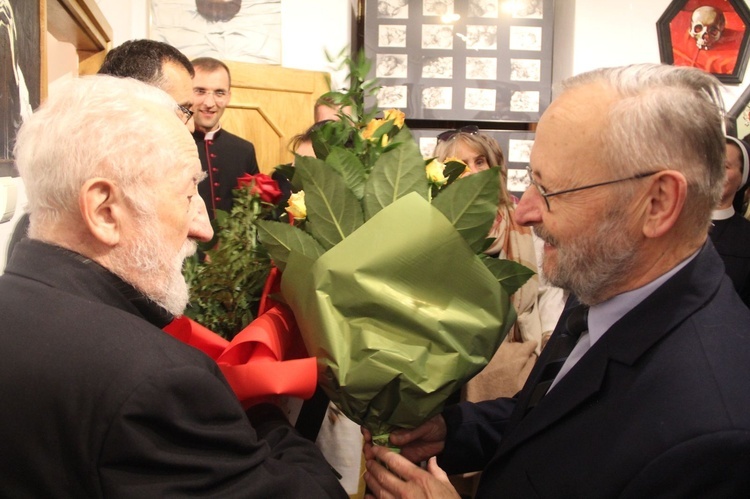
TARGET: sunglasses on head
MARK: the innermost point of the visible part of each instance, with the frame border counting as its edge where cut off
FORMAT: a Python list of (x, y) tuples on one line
[(449, 134)]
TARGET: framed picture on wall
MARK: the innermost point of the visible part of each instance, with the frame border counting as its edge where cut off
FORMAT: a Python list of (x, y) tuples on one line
[(712, 35), (738, 117), (20, 71), (468, 60), (516, 147), (234, 30)]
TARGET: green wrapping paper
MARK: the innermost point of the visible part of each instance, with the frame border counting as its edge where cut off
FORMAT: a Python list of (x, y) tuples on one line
[(397, 323)]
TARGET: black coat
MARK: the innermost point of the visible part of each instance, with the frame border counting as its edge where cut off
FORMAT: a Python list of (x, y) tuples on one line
[(224, 158), (658, 407), (97, 401), (731, 237)]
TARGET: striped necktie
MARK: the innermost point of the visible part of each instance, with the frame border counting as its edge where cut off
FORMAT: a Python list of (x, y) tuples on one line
[(575, 324)]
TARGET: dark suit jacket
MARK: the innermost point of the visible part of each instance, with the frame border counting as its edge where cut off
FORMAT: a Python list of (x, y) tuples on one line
[(731, 237), (224, 158), (658, 407), (97, 401)]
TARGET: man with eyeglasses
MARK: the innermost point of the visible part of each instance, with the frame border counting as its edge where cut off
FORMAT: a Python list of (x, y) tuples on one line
[(642, 389), (155, 63), (224, 156)]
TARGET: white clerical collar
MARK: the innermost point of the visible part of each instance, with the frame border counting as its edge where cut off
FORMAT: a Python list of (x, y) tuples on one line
[(210, 135), (723, 214), (602, 316)]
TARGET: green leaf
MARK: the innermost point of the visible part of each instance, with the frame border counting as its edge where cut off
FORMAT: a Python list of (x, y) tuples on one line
[(470, 203), (350, 168), (280, 239), (511, 275), (333, 211), (396, 172), (453, 170)]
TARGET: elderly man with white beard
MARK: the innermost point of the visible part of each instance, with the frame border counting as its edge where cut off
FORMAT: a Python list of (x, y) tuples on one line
[(98, 401)]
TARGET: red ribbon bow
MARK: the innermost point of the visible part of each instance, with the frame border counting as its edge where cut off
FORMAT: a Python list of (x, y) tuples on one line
[(257, 362)]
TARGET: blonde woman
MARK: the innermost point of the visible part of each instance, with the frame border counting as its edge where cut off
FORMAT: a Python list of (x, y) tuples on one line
[(507, 371)]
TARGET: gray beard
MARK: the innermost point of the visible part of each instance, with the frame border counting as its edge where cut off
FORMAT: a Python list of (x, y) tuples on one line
[(595, 262)]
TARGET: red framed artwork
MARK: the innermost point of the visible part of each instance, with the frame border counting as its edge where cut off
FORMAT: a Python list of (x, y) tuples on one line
[(711, 35)]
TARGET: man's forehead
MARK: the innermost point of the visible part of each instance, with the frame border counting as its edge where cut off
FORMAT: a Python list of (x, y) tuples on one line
[(210, 79)]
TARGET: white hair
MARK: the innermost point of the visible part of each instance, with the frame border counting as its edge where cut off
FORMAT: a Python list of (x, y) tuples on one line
[(666, 117), (95, 126)]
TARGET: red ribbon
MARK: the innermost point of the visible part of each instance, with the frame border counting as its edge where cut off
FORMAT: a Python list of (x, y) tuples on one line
[(259, 362)]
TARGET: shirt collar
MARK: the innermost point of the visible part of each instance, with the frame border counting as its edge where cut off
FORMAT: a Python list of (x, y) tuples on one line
[(724, 214), (605, 314), (210, 135)]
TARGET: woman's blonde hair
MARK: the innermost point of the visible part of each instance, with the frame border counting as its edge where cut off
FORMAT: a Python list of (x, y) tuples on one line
[(484, 145)]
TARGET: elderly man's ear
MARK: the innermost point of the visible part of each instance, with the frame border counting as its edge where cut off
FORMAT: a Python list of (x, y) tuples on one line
[(665, 201), (103, 210)]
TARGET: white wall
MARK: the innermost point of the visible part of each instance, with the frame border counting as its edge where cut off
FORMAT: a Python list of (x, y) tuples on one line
[(596, 33)]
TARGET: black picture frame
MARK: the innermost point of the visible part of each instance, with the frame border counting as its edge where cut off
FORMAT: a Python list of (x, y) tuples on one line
[(20, 72), (738, 117), (726, 59), (451, 60)]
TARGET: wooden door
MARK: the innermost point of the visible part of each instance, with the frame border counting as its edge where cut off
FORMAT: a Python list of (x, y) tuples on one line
[(270, 105)]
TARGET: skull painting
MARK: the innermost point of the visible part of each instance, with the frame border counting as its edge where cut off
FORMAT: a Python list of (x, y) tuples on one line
[(706, 26)]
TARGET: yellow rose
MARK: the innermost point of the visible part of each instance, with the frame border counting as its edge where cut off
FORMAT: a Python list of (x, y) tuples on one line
[(434, 171), (296, 205), (395, 115), (370, 129)]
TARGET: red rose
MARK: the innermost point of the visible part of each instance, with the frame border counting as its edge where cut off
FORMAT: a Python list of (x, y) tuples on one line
[(263, 186)]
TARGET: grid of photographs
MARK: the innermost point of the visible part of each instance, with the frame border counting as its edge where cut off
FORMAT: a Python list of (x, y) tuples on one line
[(516, 147), (483, 60)]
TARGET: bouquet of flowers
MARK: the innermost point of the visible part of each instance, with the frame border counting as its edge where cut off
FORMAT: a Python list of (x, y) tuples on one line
[(383, 267), (226, 287)]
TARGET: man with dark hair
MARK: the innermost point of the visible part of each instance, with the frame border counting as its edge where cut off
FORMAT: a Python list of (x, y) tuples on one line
[(143, 60), (224, 156), (149, 61)]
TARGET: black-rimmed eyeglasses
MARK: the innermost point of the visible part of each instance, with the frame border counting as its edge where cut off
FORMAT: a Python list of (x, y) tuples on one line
[(187, 113), (449, 134), (546, 195)]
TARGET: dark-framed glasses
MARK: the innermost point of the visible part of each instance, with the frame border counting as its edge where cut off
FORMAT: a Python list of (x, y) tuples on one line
[(546, 195), (449, 134), (187, 113)]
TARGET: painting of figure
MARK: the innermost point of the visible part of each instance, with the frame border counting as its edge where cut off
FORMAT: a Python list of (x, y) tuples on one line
[(19, 72), (235, 30)]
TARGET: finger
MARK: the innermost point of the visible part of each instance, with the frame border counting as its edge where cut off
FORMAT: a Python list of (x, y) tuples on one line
[(403, 437), (381, 481), (366, 434), (372, 485), (396, 463), (433, 430), (436, 471), (367, 450)]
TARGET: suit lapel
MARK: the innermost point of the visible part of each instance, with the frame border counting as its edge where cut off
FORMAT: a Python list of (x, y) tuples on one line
[(625, 342)]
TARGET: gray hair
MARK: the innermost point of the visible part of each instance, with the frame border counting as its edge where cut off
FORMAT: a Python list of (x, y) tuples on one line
[(667, 117), (95, 126)]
